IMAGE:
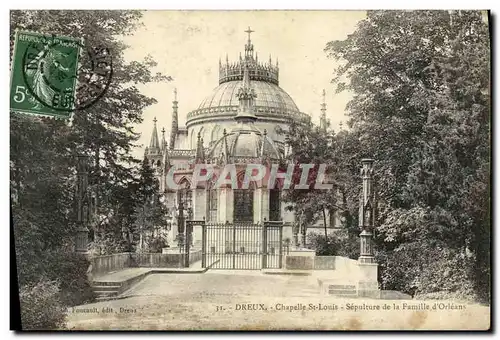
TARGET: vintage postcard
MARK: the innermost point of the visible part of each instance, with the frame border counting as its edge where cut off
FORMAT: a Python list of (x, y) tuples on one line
[(250, 170)]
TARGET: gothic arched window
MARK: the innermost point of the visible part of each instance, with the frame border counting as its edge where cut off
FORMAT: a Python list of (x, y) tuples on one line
[(212, 201), (275, 201), (215, 133), (243, 204), (193, 139), (194, 136), (184, 195)]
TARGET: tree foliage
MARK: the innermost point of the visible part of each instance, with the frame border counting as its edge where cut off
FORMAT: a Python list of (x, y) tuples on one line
[(43, 157), (421, 109), (338, 153), (420, 81)]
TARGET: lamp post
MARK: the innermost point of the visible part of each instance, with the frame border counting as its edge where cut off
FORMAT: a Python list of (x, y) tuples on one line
[(366, 213)]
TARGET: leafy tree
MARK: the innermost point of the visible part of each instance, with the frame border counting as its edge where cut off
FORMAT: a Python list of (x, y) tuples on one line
[(149, 212), (420, 81), (103, 131), (340, 153), (310, 145), (43, 155)]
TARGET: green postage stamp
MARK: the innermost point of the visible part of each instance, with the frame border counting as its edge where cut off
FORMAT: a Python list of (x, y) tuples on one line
[(44, 74)]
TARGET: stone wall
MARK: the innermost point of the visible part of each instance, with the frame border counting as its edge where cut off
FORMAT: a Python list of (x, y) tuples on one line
[(299, 262), (157, 260), (307, 260), (324, 262), (110, 263)]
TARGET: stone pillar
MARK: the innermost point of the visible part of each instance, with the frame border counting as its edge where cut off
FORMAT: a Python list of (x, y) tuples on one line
[(295, 232), (199, 212), (82, 210), (260, 205), (304, 234), (366, 213), (199, 203), (368, 278), (225, 204)]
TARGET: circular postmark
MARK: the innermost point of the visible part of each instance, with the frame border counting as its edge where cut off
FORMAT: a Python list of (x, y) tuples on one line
[(61, 78)]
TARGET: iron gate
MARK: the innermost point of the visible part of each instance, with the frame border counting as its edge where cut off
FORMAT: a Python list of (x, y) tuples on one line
[(242, 245)]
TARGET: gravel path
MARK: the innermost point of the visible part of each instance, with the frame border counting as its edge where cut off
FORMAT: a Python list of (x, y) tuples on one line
[(253, 301)]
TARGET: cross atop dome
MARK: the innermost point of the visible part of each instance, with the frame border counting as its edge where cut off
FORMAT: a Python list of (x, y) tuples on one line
[(249, 45), (249, 31)]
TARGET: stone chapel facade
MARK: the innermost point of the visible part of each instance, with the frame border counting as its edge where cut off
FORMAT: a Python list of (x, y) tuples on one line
[(237, 123)]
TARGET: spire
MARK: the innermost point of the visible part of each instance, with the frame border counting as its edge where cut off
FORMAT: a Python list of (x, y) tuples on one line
[(154, 143), (246, 77), (163, 141), (246, 96), (175, 121), (200, 154), (262, 147), (226, 148), (166, 159), (323, 104), (322, 119)]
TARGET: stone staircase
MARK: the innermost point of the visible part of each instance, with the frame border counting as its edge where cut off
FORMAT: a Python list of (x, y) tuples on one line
[(343, 290), (114, 284), (338, 284), (106, 290)]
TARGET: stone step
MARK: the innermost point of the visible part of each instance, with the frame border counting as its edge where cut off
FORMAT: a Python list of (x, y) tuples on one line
[(105, 298), (105, 283), (106, 288), (105, 292), (344, 294), (342, 290)]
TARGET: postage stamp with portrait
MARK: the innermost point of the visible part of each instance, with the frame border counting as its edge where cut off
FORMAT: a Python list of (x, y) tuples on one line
[(56, 75), (44, 74)]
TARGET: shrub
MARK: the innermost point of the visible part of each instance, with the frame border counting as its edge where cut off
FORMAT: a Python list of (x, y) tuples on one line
[(427, 272), (324, 246), (70, 269), (334, 245), (349, 247), (41, 307), (156, 245)]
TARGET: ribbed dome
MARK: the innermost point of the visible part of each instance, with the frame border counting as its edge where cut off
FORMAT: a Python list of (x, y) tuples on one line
[(269, 96)]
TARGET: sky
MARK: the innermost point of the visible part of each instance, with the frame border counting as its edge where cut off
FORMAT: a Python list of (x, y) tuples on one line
[(187, 46)]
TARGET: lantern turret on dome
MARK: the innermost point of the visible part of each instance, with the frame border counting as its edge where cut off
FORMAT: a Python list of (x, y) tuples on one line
[(271, 103), (245, 143)]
